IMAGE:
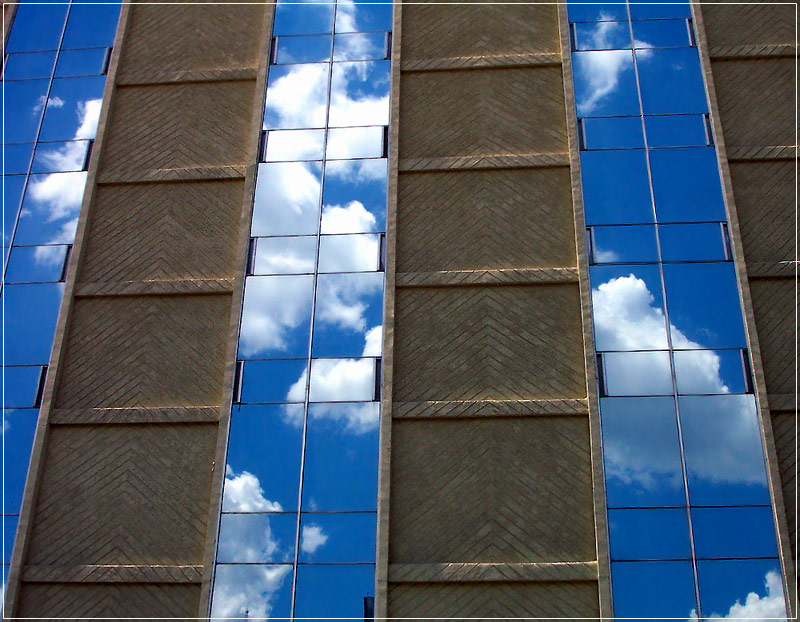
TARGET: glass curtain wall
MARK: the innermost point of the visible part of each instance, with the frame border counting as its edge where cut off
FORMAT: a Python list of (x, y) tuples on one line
[(54, 73), (297, 530), (690, 518)]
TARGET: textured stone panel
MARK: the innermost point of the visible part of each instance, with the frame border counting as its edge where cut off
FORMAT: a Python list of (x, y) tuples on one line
[(496, 600), (503, 342), (162, 231), (764, 194), (756, 101), (145, 351), (164, 39), (775, 312), (473, 220), (468, 30), (749, 24), (784, 427), (107, 602), (482, 112), (504, 490), (124, 495), (203, 124)]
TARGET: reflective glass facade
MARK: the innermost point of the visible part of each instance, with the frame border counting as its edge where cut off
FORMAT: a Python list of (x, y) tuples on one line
[(297, 530), (691, 524), (54, 73)]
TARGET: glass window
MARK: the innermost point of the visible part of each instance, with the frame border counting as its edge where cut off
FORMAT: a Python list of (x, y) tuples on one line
[(341, 462), (292, 255), (273, 382), (17, 158), (671, 81), (663, 589), (252, 591), (360, 46), (679, 130), (605, 83), (22, 119), (612, 133), (36, 264), (9, 531), (30, 65), (73, 108), (703, 304), (288, 85), (349, 253), (627, 308), (12, 194), (333, 591), (699, 372), (348, 537), (348, 316), (695, 242), (313, 49), (50, 210), (645, 9), (256, 538), (698, 196), (584, 11), (21, 385), (734, 532), (641, 452), (263, 463), (355, 142), (371, 15), (359, 95), (302, 19), (615, 187), (605, 35), (91, 25), (354, 196), (87, 62), (36, 27), (19, 427), (31, 312), (734, 589), (637, 373), (342, 380), (276, 317), (287, 145), (61, 157), (630, 244), (649, 534), (662, 33), (722, 445), (287, 199)]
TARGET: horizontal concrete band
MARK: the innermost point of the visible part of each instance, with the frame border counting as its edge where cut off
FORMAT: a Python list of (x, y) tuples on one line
[(481, 62), (451, 278), (484, 572), (96, 416), (768, 152), (730, 52), (489, 408), (112, 574), (147, 78), (528, 160), (192, 173), (782, 401), (771, 269), (154, 288)]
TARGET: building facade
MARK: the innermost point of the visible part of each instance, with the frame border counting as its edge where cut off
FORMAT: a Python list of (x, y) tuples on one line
[(417, 311)]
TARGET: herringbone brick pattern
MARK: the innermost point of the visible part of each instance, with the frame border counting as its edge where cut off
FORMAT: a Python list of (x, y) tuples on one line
[(108, 601), (165, 39), (484, 112), (177, 231), (784, 428), (774, 310), (764, 194), (482, 30), (489, 491), (520, 218), (494, 600), (124, 495), (495, 342), (746, 24), (145, 351), (175, 126), (756, 102)]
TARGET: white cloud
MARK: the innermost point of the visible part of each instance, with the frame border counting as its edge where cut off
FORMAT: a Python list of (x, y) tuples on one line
[(89, 115), (312, 538), (341, 299), (755, 608), (624, 316), (347, 219), (58, 194), (287, 199), (53, 102), (243, 493), (247, 591)]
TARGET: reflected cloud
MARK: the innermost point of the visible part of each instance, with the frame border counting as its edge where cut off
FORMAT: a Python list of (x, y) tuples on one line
[(247, 591), (755, 608), (345, 219), (312, 538), (55, 102), (341, 298), (243, 493)]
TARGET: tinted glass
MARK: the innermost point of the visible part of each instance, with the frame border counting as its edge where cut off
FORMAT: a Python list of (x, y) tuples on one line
[(649, 534), (637, 373), (709, 371), (252, 591), (613, 133), (348, 537), (29, 65), (698, 196), (605, 84), (615, 187), (746, 588), (31, 312), (661, 33), (326, 591), (734, 532), (19, 427), (663, 589), (696, 242), (273, 381), (354, 197), (606, 35), (287, 199), (631, 244), (292, 255), (36, 264), (342, 380), (676, 131), (256, 538)]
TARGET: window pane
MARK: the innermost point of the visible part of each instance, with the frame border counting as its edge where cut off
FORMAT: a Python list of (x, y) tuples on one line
[(337, 538), (36, 264), (276, 317), (50, 209), (22, 119), (341, 464), (31, 312), (21, 385), (703, 304), (294, 255), (349, 253), (684, 130), (649, 534), (360, 46), (613, 133), (19, 427), (359, 94), (17, 159), (605, 35), (73, 109), (644, 9), (302, 19), (615, 187), (634, 243), (654, 590), (336, 591), (605, 84), (274, 382), (352, 17), (287, 199), (252, 591), (60, 157), (686, 185), (696, 242), (722, 445), (36, 27), (284, 146), (355, 142), (91, 25), (671, 81), (289, 85), (27, 66), (728, 587), (637, 373), (734, 532), (312, 49), (255, 538), (263, 463), (702, 372), (81, 62), (662, 33), (627, 308), (342, 380), (354, 198), (9, 531), (641, 452)]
